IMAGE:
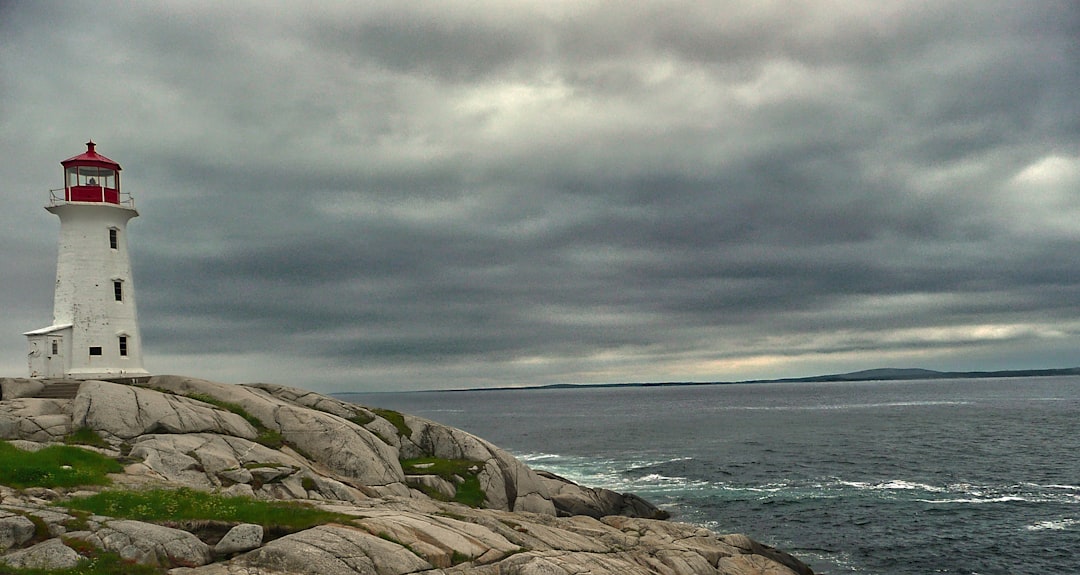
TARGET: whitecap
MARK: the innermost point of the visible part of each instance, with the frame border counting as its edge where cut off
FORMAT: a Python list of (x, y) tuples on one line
[(1065, 487), (634, 465), (538, 456), (1002, 499), (1058, 525), (893, 484)]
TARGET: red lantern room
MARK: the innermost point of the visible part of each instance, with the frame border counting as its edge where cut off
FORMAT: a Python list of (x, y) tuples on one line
[(91, 177)]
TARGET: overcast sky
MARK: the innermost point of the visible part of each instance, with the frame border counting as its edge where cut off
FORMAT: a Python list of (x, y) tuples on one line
[(417, 195)]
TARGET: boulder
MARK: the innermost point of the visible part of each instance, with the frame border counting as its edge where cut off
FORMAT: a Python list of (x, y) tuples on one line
[(126, 412), (371, 421), (750, 548), (16, 387), (208, 460), (14, 530), (148, 543), (47, 555), (439, 539), (574, 563), (328, 488), (243, 537), (42, 420), (334, 550), (508, 484), (571, 499), (343, 446)]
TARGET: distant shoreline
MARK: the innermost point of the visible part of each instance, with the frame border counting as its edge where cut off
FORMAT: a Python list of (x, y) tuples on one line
[(883, 374)]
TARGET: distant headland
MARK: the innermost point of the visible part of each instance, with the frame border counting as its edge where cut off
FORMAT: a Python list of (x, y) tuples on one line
[(879, 374)]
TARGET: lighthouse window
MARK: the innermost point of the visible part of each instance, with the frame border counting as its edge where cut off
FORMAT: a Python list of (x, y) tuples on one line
[(118, 290), (113, 238), (123, 346), (95, 351)]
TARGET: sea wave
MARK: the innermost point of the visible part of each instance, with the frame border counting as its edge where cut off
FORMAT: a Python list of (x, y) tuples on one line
[(978, 500), (1054, 525), (894, 484), (651, 478), (843, 406)]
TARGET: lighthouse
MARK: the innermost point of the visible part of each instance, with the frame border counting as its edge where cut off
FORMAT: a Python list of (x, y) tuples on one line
[(95, 329)]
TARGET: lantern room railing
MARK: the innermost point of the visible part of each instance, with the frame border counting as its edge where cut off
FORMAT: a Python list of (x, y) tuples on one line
[(90, 194)]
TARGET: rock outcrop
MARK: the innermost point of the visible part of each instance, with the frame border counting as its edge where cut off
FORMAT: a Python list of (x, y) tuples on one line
[(570, 499), (397, 481)]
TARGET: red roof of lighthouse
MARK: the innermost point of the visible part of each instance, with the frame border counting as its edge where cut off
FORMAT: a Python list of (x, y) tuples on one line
[(91, 158)]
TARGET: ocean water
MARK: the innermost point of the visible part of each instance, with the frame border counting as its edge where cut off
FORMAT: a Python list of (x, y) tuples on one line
[(878, 478)]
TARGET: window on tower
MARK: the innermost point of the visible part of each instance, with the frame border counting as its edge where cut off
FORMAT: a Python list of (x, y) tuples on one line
[(114, 238), (118, 290), (123, 346), (95, 351)]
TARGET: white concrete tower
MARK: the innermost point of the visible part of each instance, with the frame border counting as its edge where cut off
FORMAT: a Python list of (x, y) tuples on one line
[(95, 330)]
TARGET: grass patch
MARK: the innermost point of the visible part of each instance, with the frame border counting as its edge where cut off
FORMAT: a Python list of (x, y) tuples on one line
[(471, 493), (54, 466), (395, 418), (41, 529), (363, 419), (80, 520), (270, 438), (237, 409), (86, 436), (468, 492), (188, 504)]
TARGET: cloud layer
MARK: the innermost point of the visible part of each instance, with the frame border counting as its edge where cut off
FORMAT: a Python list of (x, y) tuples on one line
[(367, 196)]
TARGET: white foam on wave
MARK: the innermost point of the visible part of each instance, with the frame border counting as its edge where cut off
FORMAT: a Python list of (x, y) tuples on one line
[(613, 474), (653, 463), (767, 488), (657, 478), (655, 482), (978, 500), (1056, 525), (1064, 487), (894, 484), (527, 457)]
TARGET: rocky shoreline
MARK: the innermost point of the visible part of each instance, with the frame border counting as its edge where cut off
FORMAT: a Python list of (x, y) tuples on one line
[(415, 496)]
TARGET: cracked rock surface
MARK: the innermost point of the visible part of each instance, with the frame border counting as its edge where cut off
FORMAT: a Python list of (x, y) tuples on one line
[(184, 432)]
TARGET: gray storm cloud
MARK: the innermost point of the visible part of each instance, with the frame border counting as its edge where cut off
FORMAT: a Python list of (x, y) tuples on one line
[(359, 196)]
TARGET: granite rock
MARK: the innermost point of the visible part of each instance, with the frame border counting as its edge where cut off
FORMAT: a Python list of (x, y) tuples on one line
[(49, 554), (342, 458), (148, 543), (126, 412), (243, 537), (571, 499), (14, 530)]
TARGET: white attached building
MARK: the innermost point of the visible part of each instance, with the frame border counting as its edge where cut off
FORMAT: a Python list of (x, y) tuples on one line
[(95, 329)]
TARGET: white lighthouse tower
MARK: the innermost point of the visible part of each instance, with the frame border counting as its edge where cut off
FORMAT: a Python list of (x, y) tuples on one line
[(95, 330)]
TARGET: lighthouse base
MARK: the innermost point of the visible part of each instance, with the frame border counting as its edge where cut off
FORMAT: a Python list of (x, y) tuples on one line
[(117, 375)]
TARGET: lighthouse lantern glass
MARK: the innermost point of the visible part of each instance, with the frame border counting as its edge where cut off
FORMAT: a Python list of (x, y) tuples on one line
[(91, 176)]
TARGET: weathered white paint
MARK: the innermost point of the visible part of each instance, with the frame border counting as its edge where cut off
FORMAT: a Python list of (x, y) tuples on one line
[(86, 313), (49, 349)]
